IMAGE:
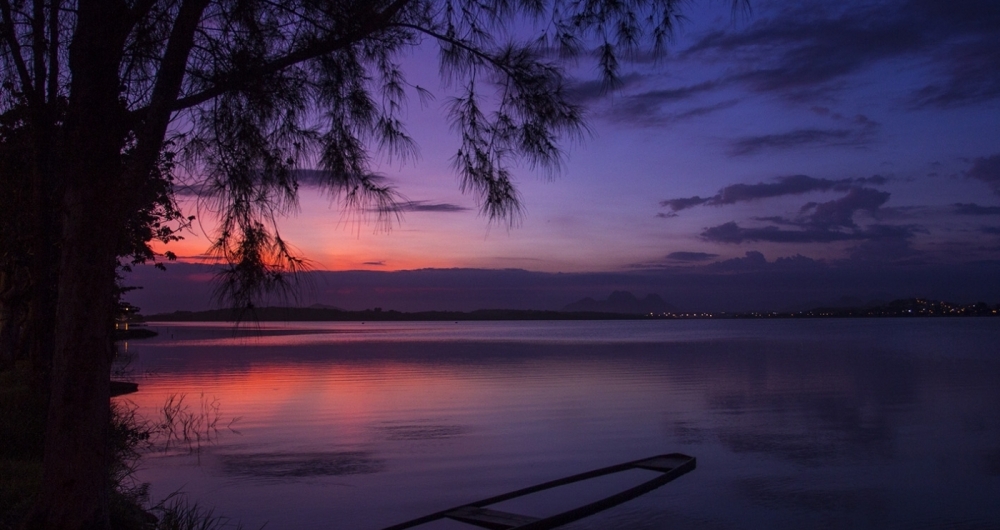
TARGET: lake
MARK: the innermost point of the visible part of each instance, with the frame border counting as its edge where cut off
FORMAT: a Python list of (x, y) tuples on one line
[(891, 423)]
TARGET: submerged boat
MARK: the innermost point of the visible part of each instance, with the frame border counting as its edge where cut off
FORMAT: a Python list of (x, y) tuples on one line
[(670, 466)]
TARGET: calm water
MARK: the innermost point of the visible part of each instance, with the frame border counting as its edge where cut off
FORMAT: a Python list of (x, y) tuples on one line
[(795, 424)]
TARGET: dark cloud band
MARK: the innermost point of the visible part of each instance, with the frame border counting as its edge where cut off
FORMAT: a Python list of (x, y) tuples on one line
[(782, 186)]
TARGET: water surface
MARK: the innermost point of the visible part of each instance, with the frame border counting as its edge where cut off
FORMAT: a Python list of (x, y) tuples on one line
[(795, 424)]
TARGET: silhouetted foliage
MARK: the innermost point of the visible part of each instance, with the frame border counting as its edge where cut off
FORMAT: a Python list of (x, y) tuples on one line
[(105, 96), (27, 226)]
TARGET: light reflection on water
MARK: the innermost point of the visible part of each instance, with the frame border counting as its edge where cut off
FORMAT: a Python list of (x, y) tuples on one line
[(819, 423)]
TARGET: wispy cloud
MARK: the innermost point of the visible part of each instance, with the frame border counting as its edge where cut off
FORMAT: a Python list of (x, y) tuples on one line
[(698, 112), (860, 134), (427, 206), (967, 60), (974, 209), (691, 256), (840, 212), (674, 260), (585, 92), (970, 78), (754, 261), (307, 178), (824, 222), (732, 233), (787, 185), (810, 50), (648, 108), (986, 169), (677, 205)]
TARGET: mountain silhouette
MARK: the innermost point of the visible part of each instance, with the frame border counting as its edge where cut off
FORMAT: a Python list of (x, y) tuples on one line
[(622, 302)]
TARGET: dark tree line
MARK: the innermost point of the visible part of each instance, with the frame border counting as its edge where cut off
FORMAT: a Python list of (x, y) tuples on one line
[(29, 243), (105, 102)]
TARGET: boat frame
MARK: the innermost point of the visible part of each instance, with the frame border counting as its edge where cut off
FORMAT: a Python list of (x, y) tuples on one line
[(670, 466)]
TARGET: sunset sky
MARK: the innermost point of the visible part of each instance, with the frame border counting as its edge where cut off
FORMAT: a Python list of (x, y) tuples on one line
[(853, 144)]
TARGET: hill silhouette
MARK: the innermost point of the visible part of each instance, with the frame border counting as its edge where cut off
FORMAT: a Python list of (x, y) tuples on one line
[(622, 302)]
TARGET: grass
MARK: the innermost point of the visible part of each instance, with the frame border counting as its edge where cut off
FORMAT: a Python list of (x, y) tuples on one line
[(22, 431), (177, 513)]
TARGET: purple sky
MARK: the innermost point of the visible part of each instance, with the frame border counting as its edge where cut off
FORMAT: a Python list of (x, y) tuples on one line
[(839, 148)]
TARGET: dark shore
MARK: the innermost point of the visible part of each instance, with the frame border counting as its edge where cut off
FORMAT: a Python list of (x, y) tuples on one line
[(906, 308)]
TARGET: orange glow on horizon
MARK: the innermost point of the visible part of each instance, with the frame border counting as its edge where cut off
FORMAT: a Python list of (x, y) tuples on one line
[(189, 251)]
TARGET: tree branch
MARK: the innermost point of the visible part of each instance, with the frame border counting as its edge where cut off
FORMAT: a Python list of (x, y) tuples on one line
[(38, 47), (53, 51), (15, 48), (457, 42), (236, 80), (140, 10), (170, 76)]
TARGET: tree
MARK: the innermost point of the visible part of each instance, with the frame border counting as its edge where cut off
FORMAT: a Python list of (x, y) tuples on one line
[(26, 284), (250, 91)]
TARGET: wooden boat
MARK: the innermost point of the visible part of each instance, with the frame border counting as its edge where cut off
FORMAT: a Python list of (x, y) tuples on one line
[(670, 466)]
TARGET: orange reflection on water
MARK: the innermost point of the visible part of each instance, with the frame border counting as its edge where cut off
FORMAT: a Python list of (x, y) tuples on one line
[(342, 399)]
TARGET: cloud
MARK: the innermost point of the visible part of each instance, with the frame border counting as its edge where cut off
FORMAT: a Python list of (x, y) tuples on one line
[(971, 78), (311, 178), (986, 169), (668, 95), (788, 185), (316, 178), (817, 222), (646, 108), (677, 205), (809, 47), (874, 180), (691, 256), (425, 206), (810, 50), (653, 117), (884, 250), (731, 232), (584, 92), (967, 60), (374, 263), (975, 209), (754, 261), (840, 212), (857, 136), (701, 111)]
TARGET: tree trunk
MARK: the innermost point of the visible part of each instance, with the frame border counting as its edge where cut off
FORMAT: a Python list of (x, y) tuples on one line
[(9, 325), (75, 485), (75, 482), (43, 263), (38, 337)]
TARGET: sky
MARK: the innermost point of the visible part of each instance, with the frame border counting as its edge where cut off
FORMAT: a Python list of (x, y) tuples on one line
[(805, 152)]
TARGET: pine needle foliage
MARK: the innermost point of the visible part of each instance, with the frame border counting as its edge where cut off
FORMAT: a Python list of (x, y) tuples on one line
[(252, 91)]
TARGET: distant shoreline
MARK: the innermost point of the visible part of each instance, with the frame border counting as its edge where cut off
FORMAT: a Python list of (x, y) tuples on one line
[(907, 308), (305, 314)]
